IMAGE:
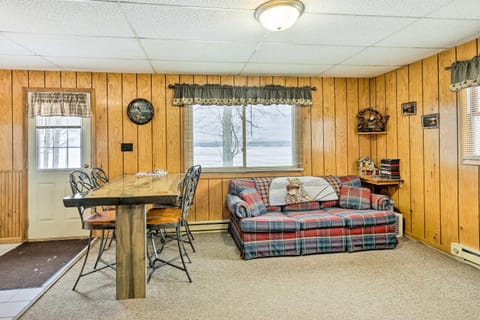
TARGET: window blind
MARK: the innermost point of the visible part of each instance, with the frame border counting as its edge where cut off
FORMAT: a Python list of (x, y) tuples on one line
[(470, 103)]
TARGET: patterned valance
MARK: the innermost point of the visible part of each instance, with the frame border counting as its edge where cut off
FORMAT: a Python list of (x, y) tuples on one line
[(465, 74), (67, 104), (214, 94)]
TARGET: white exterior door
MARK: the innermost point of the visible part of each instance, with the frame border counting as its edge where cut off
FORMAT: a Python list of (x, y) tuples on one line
[(56, 145)]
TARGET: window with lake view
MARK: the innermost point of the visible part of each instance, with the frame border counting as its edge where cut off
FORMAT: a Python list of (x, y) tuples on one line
[(244, 138)]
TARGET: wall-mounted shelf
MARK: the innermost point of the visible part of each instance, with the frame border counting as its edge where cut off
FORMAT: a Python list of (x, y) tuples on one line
[(373, 132)]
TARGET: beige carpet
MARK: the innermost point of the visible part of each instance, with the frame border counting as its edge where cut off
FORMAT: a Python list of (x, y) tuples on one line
[(410, 282)]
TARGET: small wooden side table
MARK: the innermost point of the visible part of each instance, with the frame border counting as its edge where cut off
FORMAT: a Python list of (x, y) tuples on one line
[(380, 185)]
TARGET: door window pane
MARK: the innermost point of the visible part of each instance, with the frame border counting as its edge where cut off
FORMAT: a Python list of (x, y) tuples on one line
[(58, 142)]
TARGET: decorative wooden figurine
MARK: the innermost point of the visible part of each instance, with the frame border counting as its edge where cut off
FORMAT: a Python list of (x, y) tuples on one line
[(370, 120)]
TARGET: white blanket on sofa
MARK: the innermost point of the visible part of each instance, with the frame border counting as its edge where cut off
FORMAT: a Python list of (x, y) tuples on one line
[(289, 190)]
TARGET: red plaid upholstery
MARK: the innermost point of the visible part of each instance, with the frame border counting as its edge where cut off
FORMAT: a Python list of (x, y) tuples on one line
[(354, 198)]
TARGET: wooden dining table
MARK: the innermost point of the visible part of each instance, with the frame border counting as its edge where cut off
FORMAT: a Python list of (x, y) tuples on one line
[(131, 194)]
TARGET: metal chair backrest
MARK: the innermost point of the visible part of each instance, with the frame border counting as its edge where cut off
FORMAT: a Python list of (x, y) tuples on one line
[(189, 187), (99, 177), (80, 182)]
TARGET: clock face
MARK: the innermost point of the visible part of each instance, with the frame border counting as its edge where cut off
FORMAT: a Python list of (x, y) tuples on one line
[(140, 111)]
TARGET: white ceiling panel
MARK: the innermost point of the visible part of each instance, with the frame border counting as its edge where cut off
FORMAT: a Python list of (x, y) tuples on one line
[(198, 50), (219, 4), (340, 30), (9, 47), (188, 67), (63, 17), (459, 9), (284, 69), (26, 63), (378, 56), (271, 52), (346, 38), (400, 8), (170, 22), (427, 33), (102, 65), (357, 71), (75, 46)]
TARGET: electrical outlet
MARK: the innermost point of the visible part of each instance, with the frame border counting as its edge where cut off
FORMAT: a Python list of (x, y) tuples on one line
[(126, 147)]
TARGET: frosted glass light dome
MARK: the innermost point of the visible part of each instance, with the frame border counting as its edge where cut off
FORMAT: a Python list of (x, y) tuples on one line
[(278, 15)]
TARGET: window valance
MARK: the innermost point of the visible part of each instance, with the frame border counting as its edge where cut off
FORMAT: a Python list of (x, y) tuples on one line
[(213, 94), (465, 74), (67, 104)]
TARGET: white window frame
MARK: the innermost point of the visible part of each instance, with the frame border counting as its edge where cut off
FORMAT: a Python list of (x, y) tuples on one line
[(53, 127), (297, 148), (470, 109)]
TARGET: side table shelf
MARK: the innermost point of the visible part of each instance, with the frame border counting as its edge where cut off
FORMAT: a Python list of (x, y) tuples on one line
[(372, 132), (378, 184)]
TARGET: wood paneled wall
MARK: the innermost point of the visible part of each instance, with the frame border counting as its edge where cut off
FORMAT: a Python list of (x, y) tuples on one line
[(330, 143), (440, 196)]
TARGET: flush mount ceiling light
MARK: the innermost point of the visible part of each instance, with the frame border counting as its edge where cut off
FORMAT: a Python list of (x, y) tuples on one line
[(278, 15)]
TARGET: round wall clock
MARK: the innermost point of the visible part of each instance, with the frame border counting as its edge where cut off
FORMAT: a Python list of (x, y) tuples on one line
[(140, 111)]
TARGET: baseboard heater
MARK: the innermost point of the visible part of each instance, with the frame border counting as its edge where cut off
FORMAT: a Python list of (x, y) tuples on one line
[(469, 255)]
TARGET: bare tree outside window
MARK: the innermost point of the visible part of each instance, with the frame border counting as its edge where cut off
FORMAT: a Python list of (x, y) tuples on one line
[(244, 136)]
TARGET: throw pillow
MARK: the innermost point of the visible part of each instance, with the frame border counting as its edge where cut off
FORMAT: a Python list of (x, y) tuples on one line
[(354, 197), (254, 201)]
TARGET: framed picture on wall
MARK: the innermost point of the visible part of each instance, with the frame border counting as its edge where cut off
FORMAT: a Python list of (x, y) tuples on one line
[(409, 108), (430, 121)]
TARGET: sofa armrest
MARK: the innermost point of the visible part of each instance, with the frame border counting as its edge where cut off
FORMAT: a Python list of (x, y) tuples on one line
[(381, 202), (237, 206)]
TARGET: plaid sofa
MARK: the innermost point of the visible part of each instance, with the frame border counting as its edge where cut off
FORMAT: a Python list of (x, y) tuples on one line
[(358, 220)]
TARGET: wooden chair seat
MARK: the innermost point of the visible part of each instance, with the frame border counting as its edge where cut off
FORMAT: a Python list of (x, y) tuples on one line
[(157, 216), (101, 218)]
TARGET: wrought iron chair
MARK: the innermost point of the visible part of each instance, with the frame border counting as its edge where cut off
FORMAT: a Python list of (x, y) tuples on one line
[(158, 219), (92, 219), (99, 177), (186, 232)]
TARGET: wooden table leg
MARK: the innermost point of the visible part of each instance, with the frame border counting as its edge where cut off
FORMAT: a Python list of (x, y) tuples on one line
[(130, 252)]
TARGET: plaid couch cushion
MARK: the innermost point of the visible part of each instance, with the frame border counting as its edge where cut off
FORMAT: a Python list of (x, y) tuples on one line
[(363, 218), (354, 198), (263, 187), (254, 202), (353, 181), (269, 222), (324, 240), (302, 206), (317, 220), (380, 202), (238, 185)]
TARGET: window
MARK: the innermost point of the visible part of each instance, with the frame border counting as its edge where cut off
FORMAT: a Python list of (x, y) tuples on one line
[(471, 125), (243, 138), (58, 142)]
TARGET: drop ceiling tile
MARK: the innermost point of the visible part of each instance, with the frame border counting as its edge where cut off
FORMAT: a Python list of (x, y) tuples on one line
[(182, 23), (9, 47), (273, 52), (377, 56), (79, 46), (226, 4), (212, 51), (63, 17), (102, 65), (460, 9), (432, 33), (402, 8), (18, 62), (200, 67), (357, 71), (340, 30), (284, 69)]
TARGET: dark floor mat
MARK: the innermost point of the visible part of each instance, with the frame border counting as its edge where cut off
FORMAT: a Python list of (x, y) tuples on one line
[(32, 263)]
